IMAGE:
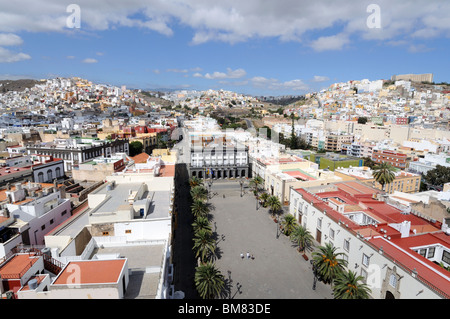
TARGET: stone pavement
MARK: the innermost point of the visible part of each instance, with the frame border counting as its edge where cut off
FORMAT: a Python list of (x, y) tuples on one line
[(278, 270)]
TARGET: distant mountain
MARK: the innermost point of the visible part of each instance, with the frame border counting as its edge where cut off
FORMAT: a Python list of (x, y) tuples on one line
[(17, 85)]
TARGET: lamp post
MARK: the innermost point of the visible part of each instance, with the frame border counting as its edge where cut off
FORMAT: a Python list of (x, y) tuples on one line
[(242, 184), (315, 274)]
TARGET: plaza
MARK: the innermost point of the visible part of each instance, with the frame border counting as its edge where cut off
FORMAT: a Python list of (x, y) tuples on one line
[(278, 271)]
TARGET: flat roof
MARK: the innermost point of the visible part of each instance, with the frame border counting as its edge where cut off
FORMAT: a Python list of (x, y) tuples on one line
[(17, 265), (91, 272)]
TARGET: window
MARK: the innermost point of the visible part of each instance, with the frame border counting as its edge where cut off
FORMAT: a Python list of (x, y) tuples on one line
[(51, 221), (430, 253), (42, 227), (331, 233), (446, 257), (365, 260), (364, 275), (127, 231), (346, 244), (393, 280), (319, 223)]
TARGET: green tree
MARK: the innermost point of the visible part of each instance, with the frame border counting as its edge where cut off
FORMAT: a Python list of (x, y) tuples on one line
[(204, 245), (135, 148), (195, 181), (209, 281), (362, 120), (274, 203), (438, 176), (264, 197), (199, 208), (384, 174), (289, 223), (302, 237), (328, 263), (202, 223), (348, 285), (199, 193), (256, 182)]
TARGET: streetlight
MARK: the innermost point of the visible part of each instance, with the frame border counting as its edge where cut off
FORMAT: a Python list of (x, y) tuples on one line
[(242, 184), (314, 268)]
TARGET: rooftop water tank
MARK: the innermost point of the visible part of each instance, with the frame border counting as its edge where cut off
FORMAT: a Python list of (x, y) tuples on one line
[(33, 284)]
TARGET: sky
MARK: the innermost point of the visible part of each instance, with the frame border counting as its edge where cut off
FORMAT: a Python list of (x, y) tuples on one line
[(256, 47)]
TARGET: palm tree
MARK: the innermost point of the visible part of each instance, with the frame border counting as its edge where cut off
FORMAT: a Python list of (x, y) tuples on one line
[(199, 193), (204, 245), (289, 223), (328, 263), (384, 174), (348, 285), (209, 281), (202, 223), (274, 203), (302, 237), (264, 197), (255, 182), (199, 208), (195, 181)]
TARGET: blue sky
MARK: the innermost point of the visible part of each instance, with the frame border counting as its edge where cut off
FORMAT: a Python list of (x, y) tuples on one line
[(258, 47)]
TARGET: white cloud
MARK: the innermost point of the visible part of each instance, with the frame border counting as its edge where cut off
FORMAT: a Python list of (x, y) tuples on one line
[(9, 39), (230, 74), (334, 42), (89, 60), (276, 85), (320, 78), (236, 20), (70, 57), (177, 70), (7, 56)]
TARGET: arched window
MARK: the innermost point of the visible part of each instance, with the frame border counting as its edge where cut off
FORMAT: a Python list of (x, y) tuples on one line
[(49, 175), (40, 177), (58, 172)]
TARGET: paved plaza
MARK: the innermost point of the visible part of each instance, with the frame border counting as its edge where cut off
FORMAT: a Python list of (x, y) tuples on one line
[(278, 271)]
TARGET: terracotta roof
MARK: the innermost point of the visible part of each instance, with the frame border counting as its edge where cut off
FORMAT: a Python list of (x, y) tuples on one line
[(91, 272), (140, 158)]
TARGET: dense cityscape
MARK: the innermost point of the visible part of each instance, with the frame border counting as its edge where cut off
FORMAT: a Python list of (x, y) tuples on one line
[(241, 152), (96, 176)]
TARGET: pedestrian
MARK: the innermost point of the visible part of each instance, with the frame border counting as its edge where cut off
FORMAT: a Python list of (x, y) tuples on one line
[(253, 257), (242, 256), (248, 255)]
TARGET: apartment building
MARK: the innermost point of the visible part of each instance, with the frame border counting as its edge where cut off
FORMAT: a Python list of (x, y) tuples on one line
[(404, 181), (396, 159), (335, 142)]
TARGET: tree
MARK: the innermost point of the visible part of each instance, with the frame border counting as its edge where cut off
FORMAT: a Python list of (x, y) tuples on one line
[(289, 223), (199, 208), (195, 181), (328, 263), (274, 203), (384, 174), (348, 285), (204, 245), (362, 120), (199, 193), (264, 197), (255, 182), (369, 162), (209, 281), (302, 237), (136, 148), (202, 223), (438, 176)]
